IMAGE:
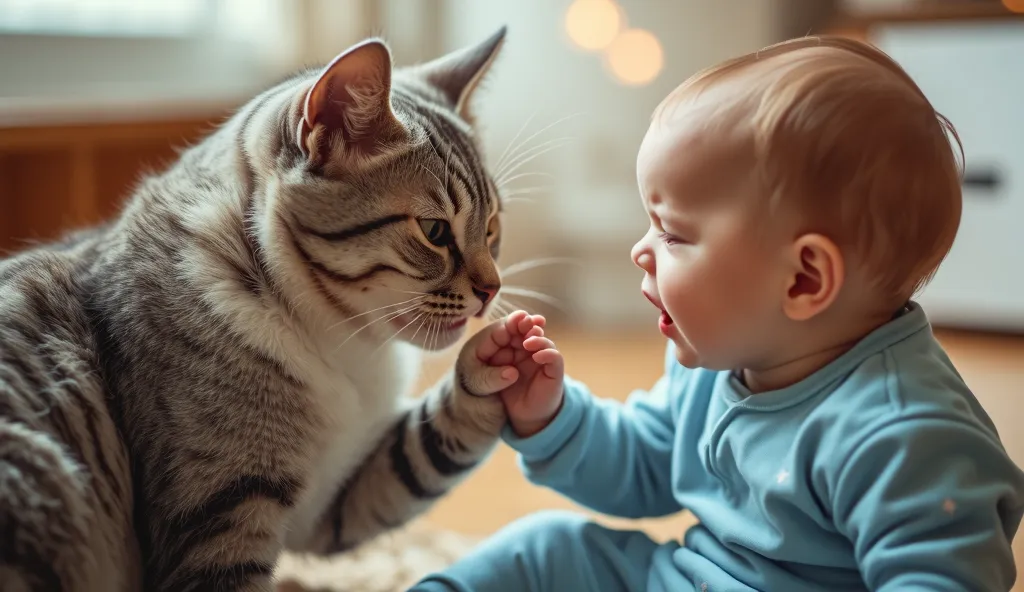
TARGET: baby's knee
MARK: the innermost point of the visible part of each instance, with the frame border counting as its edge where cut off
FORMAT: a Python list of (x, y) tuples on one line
[(548, 528)]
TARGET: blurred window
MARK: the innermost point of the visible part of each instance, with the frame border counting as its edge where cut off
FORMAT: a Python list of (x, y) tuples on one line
[(105, 18)]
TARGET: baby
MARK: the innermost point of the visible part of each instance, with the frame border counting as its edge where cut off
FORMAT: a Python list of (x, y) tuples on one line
[(798, 198)]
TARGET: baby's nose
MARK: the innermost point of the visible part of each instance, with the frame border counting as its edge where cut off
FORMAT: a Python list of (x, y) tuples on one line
[(644, 261)]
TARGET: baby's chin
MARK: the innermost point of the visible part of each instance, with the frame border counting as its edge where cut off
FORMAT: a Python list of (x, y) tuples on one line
[(690, 357), (685, 354), (687, 359)]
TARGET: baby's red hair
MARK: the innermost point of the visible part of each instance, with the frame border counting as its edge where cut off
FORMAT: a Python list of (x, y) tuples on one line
[(844, 135)]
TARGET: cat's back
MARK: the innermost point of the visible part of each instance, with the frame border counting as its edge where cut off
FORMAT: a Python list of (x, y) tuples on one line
[(43, 312), (65, 489)]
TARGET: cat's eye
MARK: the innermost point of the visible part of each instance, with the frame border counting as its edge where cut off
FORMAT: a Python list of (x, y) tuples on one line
[(492, 226), (438, 232)]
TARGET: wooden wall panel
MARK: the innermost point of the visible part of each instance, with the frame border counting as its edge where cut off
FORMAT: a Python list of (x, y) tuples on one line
[(120, 168), (37, 191), (54, 178), (5, 214)]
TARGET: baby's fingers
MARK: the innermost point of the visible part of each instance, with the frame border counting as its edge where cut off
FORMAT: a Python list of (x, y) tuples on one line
[(514, 320), (537, 343), (552, 362), (530, 321)]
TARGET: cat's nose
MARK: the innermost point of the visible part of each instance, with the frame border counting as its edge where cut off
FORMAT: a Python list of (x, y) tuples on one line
[(486, 292)]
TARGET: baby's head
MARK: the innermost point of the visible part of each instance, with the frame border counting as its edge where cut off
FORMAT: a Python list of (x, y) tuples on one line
[(797, 195)]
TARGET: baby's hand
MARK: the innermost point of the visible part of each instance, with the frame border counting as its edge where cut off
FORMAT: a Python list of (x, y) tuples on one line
[(512, 358), (535, 398)]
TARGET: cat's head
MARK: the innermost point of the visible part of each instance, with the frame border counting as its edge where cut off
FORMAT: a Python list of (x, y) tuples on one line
[(378, 207)]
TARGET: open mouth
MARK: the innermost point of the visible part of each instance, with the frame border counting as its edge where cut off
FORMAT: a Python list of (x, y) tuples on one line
[(664, 321)]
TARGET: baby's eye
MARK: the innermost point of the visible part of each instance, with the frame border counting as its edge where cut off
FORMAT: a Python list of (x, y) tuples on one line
[(669, 239)]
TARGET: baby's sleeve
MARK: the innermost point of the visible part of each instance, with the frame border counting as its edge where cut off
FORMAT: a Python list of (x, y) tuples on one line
[(930, 503), (611, 457)]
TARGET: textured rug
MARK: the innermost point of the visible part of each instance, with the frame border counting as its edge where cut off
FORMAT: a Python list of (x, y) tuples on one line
[(390, 563)]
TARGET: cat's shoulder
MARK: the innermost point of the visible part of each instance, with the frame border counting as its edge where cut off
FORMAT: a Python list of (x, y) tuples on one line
[(36, 278)]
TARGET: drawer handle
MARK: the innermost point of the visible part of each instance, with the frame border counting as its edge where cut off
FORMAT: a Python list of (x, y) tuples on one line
[(983, 180)]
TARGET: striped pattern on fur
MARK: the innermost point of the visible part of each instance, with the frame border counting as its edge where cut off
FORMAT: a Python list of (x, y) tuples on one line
[(222, 371)]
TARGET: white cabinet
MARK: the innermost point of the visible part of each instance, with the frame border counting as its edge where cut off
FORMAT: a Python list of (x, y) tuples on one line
[(974, 74)]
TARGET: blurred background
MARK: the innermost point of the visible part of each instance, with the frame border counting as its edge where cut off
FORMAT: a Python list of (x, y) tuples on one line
[(94, 92)]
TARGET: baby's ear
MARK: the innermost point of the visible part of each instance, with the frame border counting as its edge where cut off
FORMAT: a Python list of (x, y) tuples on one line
[(817, 275)]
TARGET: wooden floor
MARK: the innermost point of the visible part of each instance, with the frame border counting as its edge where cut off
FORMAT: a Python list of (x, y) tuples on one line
[(613, 365)]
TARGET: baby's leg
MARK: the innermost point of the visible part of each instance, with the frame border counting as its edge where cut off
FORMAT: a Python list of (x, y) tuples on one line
[(558, 552)]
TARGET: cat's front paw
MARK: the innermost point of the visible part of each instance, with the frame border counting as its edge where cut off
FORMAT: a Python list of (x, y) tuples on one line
[(484, 367)]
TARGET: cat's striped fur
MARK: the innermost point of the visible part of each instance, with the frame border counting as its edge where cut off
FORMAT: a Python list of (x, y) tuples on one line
[(220, 373)]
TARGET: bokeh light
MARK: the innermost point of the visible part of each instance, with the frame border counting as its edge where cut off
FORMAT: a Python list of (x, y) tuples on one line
[(593, 24), (635, 57), (1014, 5)]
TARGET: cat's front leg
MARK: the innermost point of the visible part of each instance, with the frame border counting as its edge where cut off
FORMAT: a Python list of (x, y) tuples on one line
[(224, 534), (434, 443)]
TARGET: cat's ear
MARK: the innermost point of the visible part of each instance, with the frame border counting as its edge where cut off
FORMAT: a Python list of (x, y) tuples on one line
[(349, 105), (459, 73)]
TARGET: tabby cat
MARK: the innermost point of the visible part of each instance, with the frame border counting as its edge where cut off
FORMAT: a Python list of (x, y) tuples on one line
[(222, 372)]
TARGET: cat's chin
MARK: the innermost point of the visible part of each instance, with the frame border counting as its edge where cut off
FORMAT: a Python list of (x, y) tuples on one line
[(431, 335)]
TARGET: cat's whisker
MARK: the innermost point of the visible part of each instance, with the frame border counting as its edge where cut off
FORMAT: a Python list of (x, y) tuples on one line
[(514, 200), (535, 295), (437, 334), (432, 172), (506, 181), (436, 153), (447, 168), (500, 172), (528, 155), (396, 333), (527, 159), (524, 148), (505, 152), (433, 332), (524, 266), (421, 318), (426, 334), (514, 306), (383, 318), (544, 129), (386, 306), (525, 191), (407, 291), (500, 308), (409, 301)]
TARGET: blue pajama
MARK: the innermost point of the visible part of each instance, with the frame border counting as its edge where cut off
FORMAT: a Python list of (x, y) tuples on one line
[(879, 472), (556, 550)]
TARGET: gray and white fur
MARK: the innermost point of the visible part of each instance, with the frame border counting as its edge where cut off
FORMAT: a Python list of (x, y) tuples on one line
[(221, 373)]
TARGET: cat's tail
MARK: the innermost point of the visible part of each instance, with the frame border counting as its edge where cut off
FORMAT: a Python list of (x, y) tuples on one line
[(45, 516)]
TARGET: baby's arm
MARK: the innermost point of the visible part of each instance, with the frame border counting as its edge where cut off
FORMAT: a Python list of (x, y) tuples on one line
[(930, 503), (612, 457)]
